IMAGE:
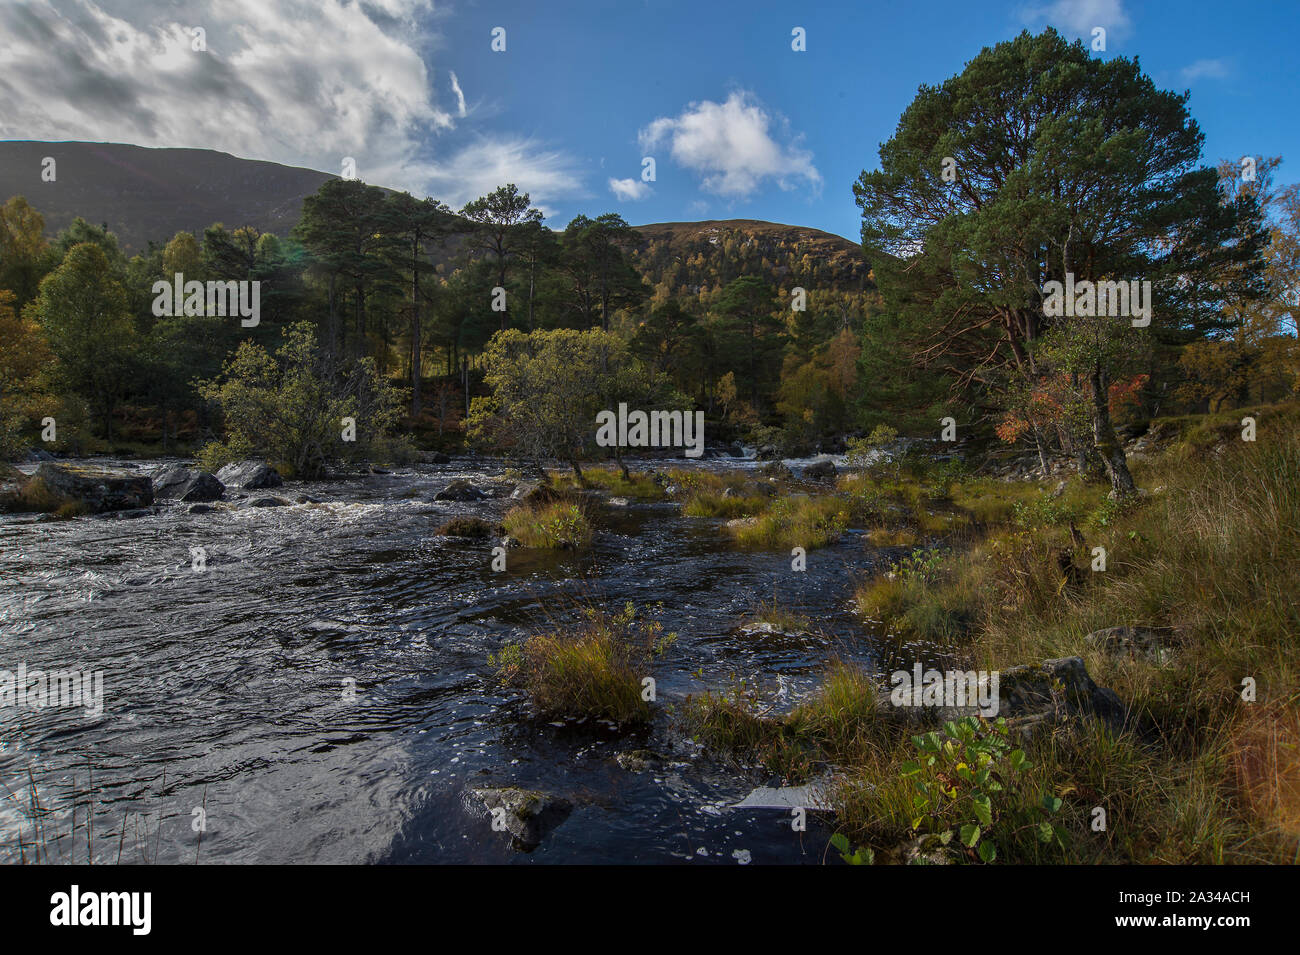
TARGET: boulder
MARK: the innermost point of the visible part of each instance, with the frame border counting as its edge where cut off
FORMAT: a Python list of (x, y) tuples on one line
[(1045, 692), (268, 502), (528, 815), (183, 484), (499, 488), (437, 457), (95, 489), (821, 470), (251, 475), (459, 490)]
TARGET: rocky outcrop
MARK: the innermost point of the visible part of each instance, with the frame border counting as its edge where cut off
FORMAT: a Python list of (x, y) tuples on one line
[(250, 475), (184, 484), (527, 814), (93, 490), (460, 490)]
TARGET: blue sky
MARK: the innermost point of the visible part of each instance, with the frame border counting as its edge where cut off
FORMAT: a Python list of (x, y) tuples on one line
[(739, 124)]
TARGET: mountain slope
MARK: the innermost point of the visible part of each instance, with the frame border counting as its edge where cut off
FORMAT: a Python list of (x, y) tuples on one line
[(145, 194)]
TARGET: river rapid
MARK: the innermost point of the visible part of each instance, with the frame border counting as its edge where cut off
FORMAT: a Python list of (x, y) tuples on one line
[(320, 691)]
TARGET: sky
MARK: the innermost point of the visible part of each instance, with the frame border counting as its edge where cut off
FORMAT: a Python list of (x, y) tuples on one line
[(739, 124)]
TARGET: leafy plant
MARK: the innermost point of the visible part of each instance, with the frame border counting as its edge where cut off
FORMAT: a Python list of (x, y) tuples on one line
[(862, 855), (968, 785)]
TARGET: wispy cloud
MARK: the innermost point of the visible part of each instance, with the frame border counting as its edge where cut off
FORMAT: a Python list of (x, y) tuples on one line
[(460, 96), (1215, 69), (475, 170), (732, 146)]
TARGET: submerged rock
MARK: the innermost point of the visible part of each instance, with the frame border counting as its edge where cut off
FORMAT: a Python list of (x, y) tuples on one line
[(527, 814), (268, 502), (250, 475), (639, 760), (810, 796), (185, 484)]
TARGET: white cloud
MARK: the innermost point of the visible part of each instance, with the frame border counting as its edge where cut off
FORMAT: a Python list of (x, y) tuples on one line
[(730, 145), (1204, 69), (460, 96), (480, 167), (302, 82), (629, 190), (1078, 17)]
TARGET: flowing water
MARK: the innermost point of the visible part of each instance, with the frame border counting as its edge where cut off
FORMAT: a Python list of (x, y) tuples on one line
[(226, 691)]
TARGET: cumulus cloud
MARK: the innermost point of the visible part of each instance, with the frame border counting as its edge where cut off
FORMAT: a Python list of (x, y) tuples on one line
[(629, 190), (1078, 17), (302, 82), (732, 146)]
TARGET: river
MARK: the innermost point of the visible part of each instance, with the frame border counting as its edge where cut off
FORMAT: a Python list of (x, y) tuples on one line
[(226, 690)]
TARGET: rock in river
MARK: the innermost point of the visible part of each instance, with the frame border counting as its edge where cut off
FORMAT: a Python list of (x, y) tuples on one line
[(527, 815), (252, 475), (459, 490), (95, 489), (184, 484), (822, 469)]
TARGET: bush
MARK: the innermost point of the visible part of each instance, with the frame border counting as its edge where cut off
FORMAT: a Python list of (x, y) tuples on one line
[(554, 525), (806, 522), (594, 670)]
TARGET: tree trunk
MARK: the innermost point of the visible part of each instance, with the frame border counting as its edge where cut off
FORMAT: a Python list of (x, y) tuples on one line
[(1105, 439)]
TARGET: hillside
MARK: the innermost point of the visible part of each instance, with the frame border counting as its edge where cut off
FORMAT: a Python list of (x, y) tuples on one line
[(146, 194), (688, 258), (150, 194)]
